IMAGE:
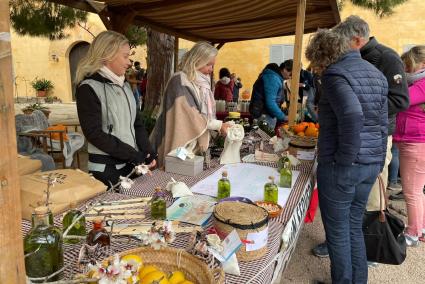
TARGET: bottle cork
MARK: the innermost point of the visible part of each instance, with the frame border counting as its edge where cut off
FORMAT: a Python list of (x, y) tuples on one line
[(224, 174), (41, 210)]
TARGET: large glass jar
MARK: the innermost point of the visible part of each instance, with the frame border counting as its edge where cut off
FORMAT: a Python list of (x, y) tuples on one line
[(158, 205), (223, 187), (43, 247), (98, 235), (271, 191), (79, 229)]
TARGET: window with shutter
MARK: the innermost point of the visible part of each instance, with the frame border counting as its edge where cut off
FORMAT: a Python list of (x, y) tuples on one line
[(281, 52)]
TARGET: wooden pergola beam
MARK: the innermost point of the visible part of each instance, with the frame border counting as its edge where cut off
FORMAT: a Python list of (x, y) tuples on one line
[(12, 269), (299, 32), (141, 21)]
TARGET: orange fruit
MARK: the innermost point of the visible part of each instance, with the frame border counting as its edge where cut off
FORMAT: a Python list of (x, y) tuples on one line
[(302, 134), (299, 128), (311, 131)]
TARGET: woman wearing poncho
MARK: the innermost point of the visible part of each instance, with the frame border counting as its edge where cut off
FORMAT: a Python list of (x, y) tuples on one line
[(188, 108)]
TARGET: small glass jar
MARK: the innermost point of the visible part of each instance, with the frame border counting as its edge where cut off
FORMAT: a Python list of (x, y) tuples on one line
[(223, 187), (79, 228), (98, 235), (158, 205), (271, 191)]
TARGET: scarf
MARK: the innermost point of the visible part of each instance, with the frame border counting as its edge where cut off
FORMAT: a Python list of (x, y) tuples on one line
[(108, 74), (203, 82), (413, 77)]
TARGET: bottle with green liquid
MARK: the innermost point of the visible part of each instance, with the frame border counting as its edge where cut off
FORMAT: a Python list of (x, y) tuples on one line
[(158, 205), (79, 229), (43, 247), (223, 188), (285, 173), (271, 191)]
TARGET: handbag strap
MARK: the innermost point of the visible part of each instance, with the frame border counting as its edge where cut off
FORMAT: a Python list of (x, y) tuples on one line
[(382, 193)]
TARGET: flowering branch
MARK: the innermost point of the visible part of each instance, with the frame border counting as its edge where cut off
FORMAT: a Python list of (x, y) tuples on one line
[(126, 182)]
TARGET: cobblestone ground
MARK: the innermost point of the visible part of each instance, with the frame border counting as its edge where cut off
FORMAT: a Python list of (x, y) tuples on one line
[(304, 267)]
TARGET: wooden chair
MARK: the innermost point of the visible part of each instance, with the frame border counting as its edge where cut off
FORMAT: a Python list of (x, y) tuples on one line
[(43, 139)]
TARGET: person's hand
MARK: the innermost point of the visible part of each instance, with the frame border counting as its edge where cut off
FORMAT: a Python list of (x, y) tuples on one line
[(224, 127), (152, 164)]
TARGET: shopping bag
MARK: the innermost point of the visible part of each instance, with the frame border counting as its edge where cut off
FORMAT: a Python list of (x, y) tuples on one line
[(312, 208), (383, 235)]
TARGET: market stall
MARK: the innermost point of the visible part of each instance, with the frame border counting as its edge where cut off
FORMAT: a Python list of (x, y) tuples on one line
[(283, 229), (185, 19)]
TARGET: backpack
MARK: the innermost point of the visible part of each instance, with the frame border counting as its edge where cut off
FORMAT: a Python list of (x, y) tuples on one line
[(256, 105)]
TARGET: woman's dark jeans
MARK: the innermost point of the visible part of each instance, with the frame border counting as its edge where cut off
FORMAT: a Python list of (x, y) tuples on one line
[(343, 194)]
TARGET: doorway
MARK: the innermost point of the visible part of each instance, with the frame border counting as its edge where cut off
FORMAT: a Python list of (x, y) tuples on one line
[(77, 52)]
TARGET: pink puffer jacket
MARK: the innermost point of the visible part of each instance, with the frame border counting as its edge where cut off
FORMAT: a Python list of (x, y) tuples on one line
[(410, 124)]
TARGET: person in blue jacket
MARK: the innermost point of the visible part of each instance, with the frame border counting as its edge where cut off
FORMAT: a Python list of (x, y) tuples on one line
[(272, 78), (353, 117)]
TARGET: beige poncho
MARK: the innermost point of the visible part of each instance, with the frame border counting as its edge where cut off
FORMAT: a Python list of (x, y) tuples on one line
[(181, 120)]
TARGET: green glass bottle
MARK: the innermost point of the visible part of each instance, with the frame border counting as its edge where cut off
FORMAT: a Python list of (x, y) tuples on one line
[(79, 229), (43, 247), (285, 173), (271, 191), (158, 205), (223, 188)]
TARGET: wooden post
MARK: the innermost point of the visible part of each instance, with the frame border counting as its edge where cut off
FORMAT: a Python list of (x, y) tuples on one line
[(12, 268), (299, 32), (176, 53)]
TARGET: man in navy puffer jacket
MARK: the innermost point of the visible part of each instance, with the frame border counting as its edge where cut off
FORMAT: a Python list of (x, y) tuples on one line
[(353, 117)]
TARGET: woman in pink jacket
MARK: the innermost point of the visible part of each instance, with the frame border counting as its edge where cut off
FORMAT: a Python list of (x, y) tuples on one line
[(410, 138)]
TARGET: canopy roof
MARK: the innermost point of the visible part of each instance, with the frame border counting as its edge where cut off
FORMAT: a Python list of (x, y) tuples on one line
[(216, 21)]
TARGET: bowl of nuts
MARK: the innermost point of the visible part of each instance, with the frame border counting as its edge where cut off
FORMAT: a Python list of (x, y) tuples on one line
[(273, 209)]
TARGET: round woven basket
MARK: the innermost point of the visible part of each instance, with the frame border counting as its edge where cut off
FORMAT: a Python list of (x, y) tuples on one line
[(306, 144), (245, 218), (171, 259)]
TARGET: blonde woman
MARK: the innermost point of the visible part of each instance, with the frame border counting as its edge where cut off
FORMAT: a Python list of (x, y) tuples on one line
[(410, 138), (107, 110), (352, 145), (188, 107)]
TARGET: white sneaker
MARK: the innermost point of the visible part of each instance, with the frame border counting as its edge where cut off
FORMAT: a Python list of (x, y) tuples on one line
[(411, 241)]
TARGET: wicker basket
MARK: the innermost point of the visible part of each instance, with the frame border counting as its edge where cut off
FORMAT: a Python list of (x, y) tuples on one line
[(171, 259), (245, 218), (305, 144)]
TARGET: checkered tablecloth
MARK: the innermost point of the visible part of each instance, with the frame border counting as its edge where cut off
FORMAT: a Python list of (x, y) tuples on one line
[(259, 271)]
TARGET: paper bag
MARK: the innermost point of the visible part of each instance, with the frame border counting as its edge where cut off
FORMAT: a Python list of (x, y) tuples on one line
[(72, 185)]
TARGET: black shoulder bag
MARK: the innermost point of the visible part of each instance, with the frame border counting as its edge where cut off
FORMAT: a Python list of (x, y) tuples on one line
[(383, 235)]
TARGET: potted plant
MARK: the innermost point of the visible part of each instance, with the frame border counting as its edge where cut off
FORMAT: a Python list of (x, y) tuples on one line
[(42, 86), (37, 106)]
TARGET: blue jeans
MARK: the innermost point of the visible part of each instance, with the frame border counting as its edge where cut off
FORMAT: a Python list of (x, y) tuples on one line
[(343, 194), (394, 165)]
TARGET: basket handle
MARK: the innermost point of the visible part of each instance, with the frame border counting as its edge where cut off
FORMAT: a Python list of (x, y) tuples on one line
[(220, 272)]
